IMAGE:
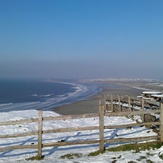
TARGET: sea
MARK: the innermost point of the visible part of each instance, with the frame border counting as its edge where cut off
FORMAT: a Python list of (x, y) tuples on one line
[(42, 94)]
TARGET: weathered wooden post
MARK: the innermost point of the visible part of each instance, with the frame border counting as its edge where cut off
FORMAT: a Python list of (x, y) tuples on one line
[(143, 109), (129, 103), (101, 127), (119, 103), (161, 121), (99, 102), (39, 134), (111, 103), (104, 103)]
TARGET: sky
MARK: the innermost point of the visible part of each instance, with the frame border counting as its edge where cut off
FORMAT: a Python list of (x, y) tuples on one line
[(81, 39)]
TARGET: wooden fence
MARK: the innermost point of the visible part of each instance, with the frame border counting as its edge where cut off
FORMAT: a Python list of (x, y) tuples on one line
[(101, 127)]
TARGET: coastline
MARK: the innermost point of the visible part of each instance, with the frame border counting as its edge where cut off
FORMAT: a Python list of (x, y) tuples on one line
[(91, 104)]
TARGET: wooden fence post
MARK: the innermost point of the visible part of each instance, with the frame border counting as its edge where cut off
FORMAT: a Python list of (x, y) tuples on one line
[(119, 101), (104, 103), (101, 128), (143, 109), (39, 134), (161, 121), (111, 103), (129, 103)]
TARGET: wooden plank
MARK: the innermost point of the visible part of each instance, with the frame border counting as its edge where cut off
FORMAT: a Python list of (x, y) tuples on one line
[(68, 117), (19, 135), (161, 120), (78, 142), (18, 122), (71, 129), (78, 129), (136, 139), (39, 133), (49, 118), (18, 147), (98, 141), (132, 125), (101, 127), (70, 143), (128, 113)]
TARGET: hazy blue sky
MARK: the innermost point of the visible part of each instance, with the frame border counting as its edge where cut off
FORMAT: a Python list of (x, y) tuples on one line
[(81, 38)]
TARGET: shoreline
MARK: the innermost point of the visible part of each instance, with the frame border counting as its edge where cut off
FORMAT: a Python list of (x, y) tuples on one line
[(91, 104)]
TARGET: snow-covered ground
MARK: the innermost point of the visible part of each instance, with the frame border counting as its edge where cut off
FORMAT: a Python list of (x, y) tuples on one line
[(52, 154)]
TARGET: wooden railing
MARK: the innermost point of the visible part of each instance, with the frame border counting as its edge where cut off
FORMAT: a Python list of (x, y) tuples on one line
[(101, 127)]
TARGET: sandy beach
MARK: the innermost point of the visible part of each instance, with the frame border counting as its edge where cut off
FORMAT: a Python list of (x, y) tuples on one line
[(90, 105)]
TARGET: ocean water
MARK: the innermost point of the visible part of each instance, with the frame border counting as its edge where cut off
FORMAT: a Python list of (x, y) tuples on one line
[(39, 94)]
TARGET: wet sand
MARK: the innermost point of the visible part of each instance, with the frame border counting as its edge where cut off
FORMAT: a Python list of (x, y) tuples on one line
[(91, 104)]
